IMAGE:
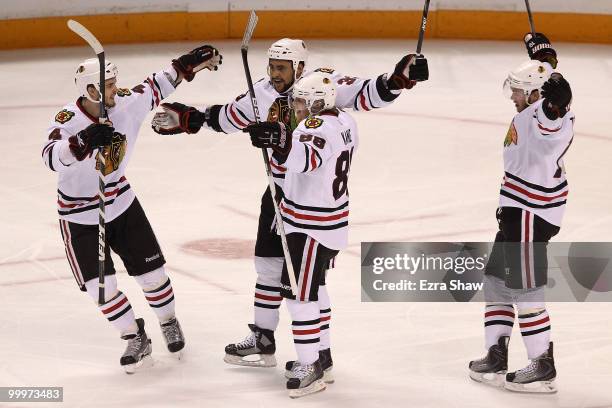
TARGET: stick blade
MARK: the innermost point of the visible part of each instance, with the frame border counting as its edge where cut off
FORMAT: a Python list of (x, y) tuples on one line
[(248, 32), (85, 34)]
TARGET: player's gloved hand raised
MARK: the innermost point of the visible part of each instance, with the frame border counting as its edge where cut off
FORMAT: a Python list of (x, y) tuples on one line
[(540, 49), (204, 57), (274, 135), (177, 118), (93, 136), (408, 71), (557, 96)]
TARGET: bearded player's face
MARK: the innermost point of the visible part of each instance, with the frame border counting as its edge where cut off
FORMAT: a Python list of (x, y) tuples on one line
[(281, 74), (110, 91)]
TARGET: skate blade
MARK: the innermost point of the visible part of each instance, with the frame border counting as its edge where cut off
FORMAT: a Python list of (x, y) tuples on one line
[(316, 386), (146, 362), (491, 379), (253, 360), (536, 387)]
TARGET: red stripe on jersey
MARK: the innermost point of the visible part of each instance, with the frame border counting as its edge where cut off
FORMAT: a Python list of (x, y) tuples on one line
[(532, 195), (548, 130), (235, 117), (71, 258), (499, 313), (155, 94), (314, 217), (115, 307), (278, 167), (535, 323), (302, 332), (268, 297), (362, 100), (106, 194), (313, 159), (307, 270), (158, 297), (324, 318)]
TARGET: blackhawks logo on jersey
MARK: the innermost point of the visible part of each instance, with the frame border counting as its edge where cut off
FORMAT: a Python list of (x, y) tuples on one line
[(511, 136), (281, 112), (123, 92), (113, 154), (313, 123), (64, 116)]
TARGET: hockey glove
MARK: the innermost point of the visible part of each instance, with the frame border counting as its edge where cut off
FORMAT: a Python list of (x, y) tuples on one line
[(410, 70), (93, 136), (274, 135), (557, 96), (205, 57), (177, 118), (539, 48)]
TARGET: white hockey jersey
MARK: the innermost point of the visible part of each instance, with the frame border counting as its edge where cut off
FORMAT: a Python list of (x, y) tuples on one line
[(533, 163), (316, 196), (77, 198), (356, 93)]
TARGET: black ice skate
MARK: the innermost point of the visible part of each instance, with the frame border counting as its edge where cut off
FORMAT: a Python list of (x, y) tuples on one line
[(326, 364), (173, 335), (306, 379), (538, 377), (138, 351), (256, 350), (492, 368)]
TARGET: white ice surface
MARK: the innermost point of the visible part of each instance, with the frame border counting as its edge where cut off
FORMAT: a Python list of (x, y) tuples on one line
[(428, 169)]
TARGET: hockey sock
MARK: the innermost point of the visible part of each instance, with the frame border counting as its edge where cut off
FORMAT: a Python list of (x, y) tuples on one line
[(119, 312), (324, 317), (158, 291), (535, 329), (267, 292), (498, 322), (305, 325)]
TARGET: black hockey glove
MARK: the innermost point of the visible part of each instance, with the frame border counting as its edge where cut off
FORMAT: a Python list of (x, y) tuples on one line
[(274, 135), (93, 136), (539, 48), (557, 96), (196, 60), (177, 118), (410, 70)]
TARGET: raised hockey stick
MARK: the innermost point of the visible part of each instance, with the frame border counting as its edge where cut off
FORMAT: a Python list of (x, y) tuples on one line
[(423, 26), (93, 42), (531, 25), (244, 49)]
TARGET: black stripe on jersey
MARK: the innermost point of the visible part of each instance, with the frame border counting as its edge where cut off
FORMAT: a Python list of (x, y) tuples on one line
[(94, 206), (266, 306), (305, 322), (161, 95), (307, 159), (368, 94), (325, 310), (51, 158), (47, 145), (318, 209), (306, 341), (324, 327), (536, 186), (503, 322), (319, 157), (357, 96), (267, 288), (383, 92), (315, 227), (247, 120), (529, 204), (230, 120), (529, 333), (278, 175), (69, 198)]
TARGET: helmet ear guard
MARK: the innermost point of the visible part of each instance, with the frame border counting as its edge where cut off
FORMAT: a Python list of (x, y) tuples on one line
[(88, 73), (528, 77)]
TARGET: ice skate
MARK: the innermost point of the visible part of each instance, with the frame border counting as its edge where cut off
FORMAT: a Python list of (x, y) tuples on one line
[(256, 350), (306, 379), (538, 377), (326, 364), (492, 368), (173, 335), (137, 354)]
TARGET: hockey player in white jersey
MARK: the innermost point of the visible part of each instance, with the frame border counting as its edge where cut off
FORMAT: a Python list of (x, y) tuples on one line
[(316, 160), (532, 202), (287, 62), (73, 137)]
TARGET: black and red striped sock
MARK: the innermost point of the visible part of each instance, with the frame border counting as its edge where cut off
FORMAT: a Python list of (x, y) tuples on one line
[(498, 322)]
